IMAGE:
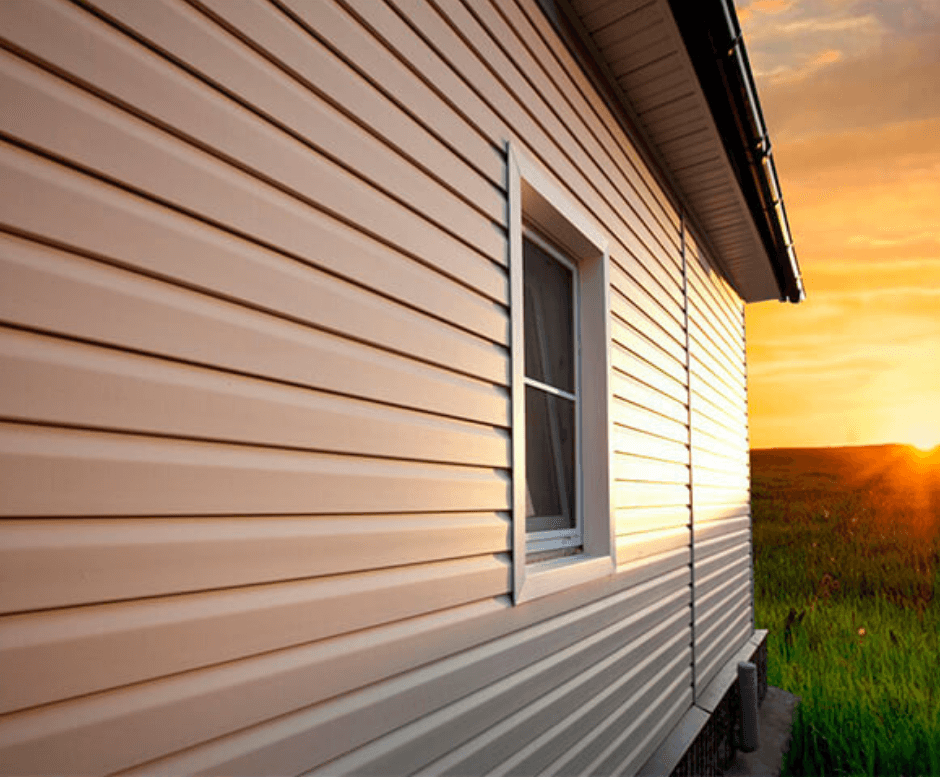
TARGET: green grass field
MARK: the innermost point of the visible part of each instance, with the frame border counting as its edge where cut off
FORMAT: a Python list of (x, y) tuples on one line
[(847, 580)]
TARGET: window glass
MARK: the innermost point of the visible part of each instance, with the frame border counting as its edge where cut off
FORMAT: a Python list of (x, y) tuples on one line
[(549, 319), (550, 457), (550, 401)]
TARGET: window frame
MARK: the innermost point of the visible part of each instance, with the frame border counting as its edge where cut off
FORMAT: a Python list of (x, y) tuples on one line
[(561, 539), (536, 202)]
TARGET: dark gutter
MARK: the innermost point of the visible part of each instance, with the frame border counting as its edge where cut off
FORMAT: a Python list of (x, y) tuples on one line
[(715, 45)]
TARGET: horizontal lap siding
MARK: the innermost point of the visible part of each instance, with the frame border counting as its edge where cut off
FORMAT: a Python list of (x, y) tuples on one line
[(254, 367), (721, 488), (509, 715), (146, 555), (97, 647)]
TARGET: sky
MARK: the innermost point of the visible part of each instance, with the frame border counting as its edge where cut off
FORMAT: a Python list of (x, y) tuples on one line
[(850, 91)]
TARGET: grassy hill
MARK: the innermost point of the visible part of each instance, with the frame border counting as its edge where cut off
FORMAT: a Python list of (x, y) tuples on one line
[(847, 579)]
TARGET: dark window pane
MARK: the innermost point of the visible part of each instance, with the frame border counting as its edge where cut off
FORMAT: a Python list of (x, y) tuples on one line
[(549, 319), (549, 458)]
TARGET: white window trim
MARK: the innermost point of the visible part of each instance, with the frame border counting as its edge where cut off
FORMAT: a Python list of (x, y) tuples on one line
[(535, 199)]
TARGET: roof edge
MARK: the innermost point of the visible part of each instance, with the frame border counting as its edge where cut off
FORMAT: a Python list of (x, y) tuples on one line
[(715, 45)]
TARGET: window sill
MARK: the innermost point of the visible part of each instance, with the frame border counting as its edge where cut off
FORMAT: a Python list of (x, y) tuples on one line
[(547, 577)]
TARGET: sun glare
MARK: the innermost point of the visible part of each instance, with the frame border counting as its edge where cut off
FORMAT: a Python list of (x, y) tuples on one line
[(925, 440), (923, 437), (924, 444)]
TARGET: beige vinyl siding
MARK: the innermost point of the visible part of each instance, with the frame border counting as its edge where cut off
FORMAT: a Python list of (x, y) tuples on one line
[(720, 468), (232, 311), (254, 400), (147, 555), (96, 647)]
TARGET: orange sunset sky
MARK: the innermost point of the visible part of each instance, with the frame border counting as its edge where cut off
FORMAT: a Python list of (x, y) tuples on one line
[(850, 90)]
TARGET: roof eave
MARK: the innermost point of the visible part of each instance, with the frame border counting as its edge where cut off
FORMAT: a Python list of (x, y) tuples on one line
[(740, 219), (716, 48)]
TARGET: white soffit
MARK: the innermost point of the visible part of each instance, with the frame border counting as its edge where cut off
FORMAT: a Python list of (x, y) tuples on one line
[(642, 49)]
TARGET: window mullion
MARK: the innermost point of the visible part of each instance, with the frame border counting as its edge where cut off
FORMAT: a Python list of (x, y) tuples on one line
[(530, 382)]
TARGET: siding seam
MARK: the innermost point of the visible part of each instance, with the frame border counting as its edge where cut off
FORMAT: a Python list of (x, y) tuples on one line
[(688, 368), (747, 433)]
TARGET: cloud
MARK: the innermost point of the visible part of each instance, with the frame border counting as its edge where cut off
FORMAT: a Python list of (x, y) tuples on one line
[(771, 6), (893, 84), (899, 241), (814, 63), (887, 68), (866, 25), (886, 150), (763, 6), (888, 274), (835, 367), (864, 196), (908, 293), (837, 390), (799, 39)]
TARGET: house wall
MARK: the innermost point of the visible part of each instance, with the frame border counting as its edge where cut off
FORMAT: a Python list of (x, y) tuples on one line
[(254, 402)]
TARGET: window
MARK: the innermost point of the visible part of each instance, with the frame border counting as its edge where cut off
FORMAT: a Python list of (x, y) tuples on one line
[(552, 412), (562, 524)]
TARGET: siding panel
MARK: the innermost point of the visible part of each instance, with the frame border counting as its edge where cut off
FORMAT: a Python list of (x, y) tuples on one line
[(61, 382), (62, 563), (52, 291), (625, 156), (288, 745), (632, 442), (101, 647), (516, 43), (472, 53), (406, 750), (525, 742), (638, 545), (111, 143), (393, 66), (118, 729), (105, 221), (633, 390), (633, 366), (87, 473), (650, 519), (146, 82), (609, 746), (649, 470), (649, 422)]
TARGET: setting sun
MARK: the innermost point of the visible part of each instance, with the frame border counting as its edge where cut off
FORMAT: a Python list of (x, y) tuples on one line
[(925, 444), (923, 434)]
